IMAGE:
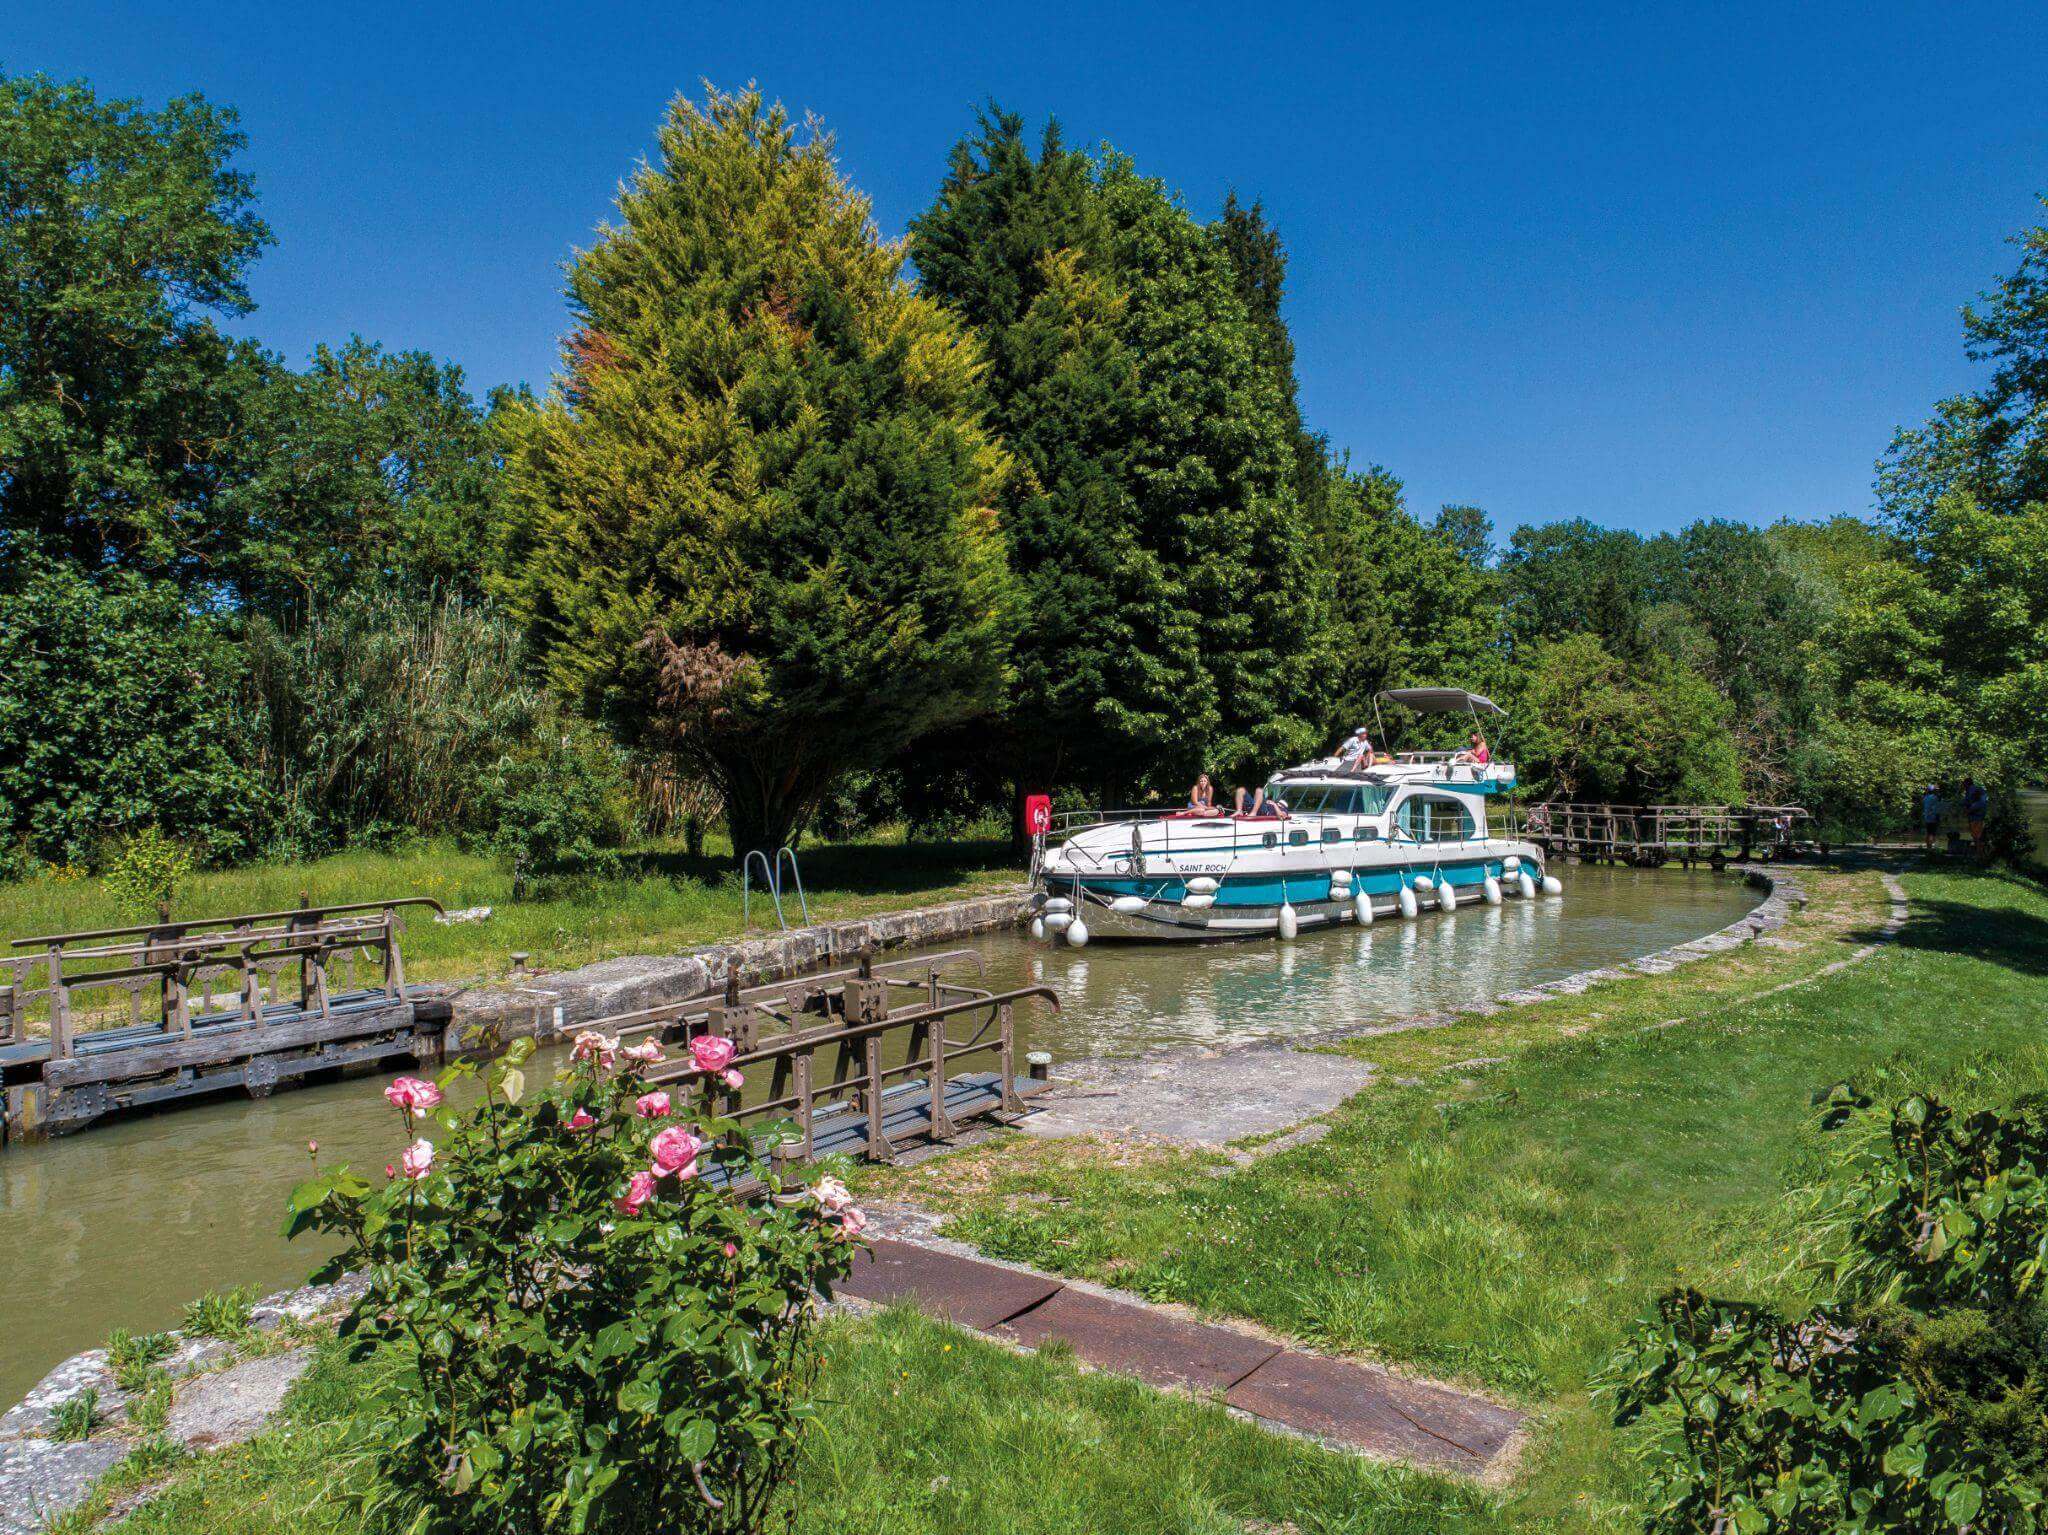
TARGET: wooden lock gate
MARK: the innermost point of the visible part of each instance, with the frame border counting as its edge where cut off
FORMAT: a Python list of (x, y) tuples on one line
[(871, 1098), (100, 1022)]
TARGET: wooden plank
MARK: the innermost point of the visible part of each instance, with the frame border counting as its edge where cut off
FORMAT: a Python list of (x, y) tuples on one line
[(261, 1039)]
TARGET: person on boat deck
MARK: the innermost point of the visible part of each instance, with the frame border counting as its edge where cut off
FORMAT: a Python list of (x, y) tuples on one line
[(1356, 752), (1203, 795), (1477, 753)]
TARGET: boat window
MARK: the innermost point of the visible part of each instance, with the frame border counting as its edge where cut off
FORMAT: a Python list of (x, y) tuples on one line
[(1368, 834), (1332, 834), (1341, 802), (1435, 818), (1269, 840), (1297, 839), (1304, 799)]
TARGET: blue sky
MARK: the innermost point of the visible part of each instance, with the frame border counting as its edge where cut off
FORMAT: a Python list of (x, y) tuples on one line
[(1638, 264)]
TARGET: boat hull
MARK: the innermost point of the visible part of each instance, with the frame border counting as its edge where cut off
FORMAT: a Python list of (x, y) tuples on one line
[(1248, 905)]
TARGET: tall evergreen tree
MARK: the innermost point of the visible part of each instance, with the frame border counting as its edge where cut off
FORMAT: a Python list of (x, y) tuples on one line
[(755, 522), (1158, 535)]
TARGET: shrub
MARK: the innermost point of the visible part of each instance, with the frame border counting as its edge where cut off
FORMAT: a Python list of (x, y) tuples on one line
[(221, 1313), (76, 1419), (147, 869), (1913, 1400), (559, 808), (130, 1356), (578, 1330), (123, 706)]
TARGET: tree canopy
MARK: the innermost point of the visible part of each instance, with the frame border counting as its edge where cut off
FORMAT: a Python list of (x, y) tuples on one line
[(757, 520)]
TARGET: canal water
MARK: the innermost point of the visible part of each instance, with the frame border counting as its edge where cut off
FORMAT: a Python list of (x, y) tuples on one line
[(122, 1225)]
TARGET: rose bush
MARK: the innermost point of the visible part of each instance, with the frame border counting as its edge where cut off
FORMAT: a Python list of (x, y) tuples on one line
[(579, 1329)]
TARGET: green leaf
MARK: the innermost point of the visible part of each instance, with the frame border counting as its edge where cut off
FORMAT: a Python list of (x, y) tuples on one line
[(512, 1084), (640, 1395), (1963, 1501)]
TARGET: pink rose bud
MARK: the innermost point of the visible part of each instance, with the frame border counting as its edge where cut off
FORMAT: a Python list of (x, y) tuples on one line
[(731, 1251), (712, 1052), (734, 1079), (581, 1120), (312, 1148), (390, 1171), (639, 1189), (651, 1106), (418, 1157), (674, 1151)]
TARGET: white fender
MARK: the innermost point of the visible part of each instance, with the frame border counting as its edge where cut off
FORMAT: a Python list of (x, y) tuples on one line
[(1424, 884), (1058, 903), (1038, 928), (1340, 876), (1526, 884), (1492, 888), (1361, 905), (1446, 897), (1290, 924), (1511, 863), (1128, 904), (1196, 902), (1077, 934), (1201, 884), (1405, 899), (1058, 921), (1552, 885)]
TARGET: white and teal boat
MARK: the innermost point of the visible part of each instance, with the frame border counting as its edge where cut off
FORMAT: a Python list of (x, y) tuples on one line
[(1348, 840)]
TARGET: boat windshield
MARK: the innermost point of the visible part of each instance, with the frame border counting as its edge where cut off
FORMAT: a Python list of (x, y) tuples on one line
[(1335, 799)]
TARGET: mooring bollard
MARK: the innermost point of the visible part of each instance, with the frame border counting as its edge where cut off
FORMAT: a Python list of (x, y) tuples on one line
[(519, 959), (1038, 1064)]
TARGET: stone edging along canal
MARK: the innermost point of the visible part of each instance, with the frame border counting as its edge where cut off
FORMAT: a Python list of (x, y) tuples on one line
[(549, 1005)]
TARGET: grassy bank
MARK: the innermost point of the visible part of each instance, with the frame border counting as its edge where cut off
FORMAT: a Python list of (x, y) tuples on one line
[(924, 1431), (664, 900), (1512, 1192)]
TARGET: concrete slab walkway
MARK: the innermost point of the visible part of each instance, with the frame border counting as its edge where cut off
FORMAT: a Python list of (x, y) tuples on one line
[(1351, 1406)]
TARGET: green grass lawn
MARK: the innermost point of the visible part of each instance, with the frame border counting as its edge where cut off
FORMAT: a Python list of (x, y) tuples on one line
[(924, 1431), (665, 901), (1501, 1222)]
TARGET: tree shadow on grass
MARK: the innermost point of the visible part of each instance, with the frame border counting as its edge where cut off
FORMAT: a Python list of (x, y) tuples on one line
[(850, 868), (2015, 940)]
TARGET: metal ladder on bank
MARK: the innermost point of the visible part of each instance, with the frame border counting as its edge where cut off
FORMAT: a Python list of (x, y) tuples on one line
[(771, 876)]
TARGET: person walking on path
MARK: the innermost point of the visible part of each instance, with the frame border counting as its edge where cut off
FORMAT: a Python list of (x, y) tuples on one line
[(1976, 811), (1930, 814)]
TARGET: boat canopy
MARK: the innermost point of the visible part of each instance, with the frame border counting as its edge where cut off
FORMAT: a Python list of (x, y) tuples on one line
[(1441, 700)]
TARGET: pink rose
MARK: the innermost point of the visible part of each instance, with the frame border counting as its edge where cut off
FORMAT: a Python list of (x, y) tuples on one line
[(417, 1158), (414, 1095), (647, 1052), (674, 1151), (581, 1120), (832, 1195), (390, 1171), (312, 1148), (639, 1189), (852, 1222), (652, 1106), (731, 1251), (733, 1079), (712, 1052)]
